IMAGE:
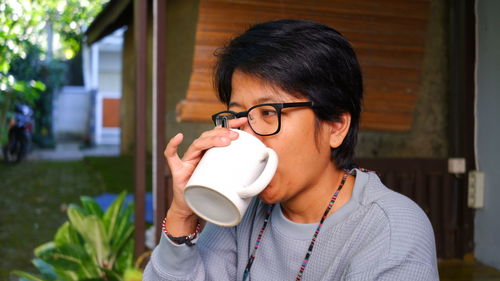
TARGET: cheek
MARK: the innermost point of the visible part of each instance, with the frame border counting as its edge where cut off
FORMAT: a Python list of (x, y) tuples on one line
[(289, 164)]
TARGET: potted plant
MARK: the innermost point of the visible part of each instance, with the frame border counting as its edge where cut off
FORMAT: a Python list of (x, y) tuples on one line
[(91, 245)]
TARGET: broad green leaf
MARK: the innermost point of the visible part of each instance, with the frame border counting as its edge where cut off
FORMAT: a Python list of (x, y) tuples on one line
[(76, 218), (70, 260), (125, 257), (87, 267), (46, 247), (91, 206), (66, 234), (93, 232), (45, 269), (96, 236), (28, 276), (127, 236), (58, 259), (124, 222), (77, 207), (112, 275), (122, 237), (74, 250), (66, 275), (112, 213)]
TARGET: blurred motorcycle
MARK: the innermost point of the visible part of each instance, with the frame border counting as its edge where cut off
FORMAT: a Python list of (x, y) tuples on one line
[(20, 134)]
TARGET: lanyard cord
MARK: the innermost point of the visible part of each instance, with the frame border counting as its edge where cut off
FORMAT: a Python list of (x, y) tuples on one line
[(313, 240)]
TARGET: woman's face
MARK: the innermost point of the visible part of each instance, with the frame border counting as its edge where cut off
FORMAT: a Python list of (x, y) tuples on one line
[(303, 151)]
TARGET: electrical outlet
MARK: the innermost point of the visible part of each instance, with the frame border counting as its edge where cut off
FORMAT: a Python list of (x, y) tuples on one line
[(475, 197), (456, 166)]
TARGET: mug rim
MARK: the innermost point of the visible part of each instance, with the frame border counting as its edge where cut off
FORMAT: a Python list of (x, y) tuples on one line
[(236, 222)]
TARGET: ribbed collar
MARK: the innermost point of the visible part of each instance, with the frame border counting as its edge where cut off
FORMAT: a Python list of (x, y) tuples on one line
[(301, 231)]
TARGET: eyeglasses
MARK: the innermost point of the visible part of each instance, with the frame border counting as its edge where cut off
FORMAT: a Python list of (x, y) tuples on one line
[(264, 119)]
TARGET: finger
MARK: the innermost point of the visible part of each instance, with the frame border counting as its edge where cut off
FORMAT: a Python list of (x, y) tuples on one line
[(221, 132), (236, 123), (170, 152), (200, 145)]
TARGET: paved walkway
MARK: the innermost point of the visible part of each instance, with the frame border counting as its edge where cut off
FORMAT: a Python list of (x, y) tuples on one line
[(72, 151)]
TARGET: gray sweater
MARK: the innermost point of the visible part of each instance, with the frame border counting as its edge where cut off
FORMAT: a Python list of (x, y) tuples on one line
[(378, 235)]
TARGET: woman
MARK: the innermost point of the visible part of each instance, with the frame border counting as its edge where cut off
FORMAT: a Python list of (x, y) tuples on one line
[(319, 218)]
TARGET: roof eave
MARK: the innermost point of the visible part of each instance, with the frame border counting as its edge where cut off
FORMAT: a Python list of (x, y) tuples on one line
[(116, 13)]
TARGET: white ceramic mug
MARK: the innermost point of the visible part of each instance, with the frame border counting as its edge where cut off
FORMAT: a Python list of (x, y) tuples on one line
[(226, 178)]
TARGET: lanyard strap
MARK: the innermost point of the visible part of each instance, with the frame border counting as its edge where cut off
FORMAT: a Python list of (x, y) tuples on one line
[(313, 240)]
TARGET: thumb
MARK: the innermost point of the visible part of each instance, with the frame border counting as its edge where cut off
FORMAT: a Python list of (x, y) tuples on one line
[(171, 150)]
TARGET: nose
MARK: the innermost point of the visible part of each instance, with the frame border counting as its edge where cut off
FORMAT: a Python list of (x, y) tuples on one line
[(246, 128)]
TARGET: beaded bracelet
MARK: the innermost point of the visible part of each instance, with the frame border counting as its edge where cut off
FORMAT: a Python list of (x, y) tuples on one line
[(183, 239)]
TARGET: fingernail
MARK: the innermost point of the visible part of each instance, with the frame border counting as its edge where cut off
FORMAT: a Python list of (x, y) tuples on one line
[(233, 134)]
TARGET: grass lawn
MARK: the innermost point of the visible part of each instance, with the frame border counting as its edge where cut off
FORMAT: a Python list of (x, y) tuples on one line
[(35, 196)]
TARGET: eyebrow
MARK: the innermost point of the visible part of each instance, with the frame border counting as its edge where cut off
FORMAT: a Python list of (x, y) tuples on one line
[(259, 101)]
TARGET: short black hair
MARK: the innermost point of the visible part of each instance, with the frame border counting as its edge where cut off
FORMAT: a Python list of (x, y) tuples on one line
[(304, 59)]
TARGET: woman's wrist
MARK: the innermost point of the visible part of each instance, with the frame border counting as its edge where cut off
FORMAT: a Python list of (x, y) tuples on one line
[(185, 239), (180, 223)]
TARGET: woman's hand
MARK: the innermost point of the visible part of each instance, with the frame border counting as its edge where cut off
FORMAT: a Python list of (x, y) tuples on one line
[(180, 218)]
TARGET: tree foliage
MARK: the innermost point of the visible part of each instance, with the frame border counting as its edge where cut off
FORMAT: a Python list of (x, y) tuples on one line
[(24, 21), (24, 29)]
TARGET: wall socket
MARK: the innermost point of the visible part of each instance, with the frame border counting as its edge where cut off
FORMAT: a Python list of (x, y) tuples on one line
[(476, 189), (456, 166)]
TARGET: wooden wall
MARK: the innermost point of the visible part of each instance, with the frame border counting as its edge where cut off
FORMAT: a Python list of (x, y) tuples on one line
[(388, 36)]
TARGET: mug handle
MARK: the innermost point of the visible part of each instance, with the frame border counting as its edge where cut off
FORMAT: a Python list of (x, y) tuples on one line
[(265, 177)]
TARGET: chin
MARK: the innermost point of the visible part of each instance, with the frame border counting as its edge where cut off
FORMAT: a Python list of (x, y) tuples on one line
[(269, 196)]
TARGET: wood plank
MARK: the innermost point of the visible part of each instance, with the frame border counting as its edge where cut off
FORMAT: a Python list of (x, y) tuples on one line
[(411, 9), (197, 111), (390, 56)]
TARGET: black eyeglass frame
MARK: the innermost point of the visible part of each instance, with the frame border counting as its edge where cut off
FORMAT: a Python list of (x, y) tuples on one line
[(277, 106)]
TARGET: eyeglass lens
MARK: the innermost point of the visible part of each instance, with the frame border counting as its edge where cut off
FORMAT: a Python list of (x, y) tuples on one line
[(263, 119)]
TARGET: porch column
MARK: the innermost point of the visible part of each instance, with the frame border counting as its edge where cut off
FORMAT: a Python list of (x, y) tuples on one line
[(159, 91), (140, 45)]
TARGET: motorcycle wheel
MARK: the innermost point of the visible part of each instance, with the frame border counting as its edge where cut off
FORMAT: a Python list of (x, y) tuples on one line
[(12, 151)]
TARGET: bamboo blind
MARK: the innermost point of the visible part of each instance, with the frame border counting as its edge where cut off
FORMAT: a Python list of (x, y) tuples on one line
[(387, 35)]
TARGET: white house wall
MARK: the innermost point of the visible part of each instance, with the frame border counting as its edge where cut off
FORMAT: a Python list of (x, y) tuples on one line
[(71, 112), (104, 81)]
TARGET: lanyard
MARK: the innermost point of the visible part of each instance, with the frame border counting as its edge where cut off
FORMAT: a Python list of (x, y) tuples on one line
[(313, 240)]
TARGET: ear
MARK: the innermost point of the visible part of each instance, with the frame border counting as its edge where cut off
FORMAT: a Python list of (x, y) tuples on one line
[(339, 130)]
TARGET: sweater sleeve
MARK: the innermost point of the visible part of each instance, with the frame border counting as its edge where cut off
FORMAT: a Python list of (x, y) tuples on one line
[(212, 258)]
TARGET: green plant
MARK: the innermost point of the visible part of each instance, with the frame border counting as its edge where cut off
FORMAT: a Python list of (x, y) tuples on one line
[(92, 245), (25, 29)]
